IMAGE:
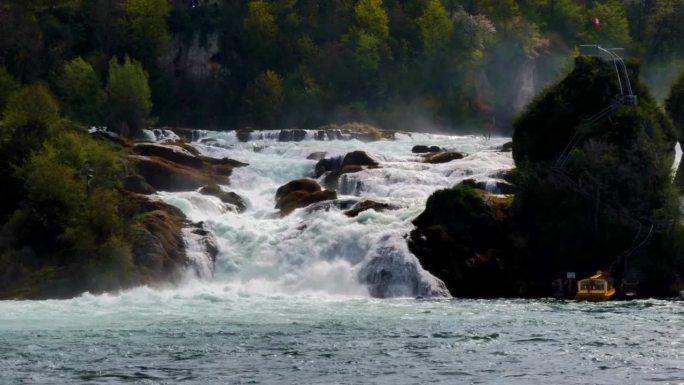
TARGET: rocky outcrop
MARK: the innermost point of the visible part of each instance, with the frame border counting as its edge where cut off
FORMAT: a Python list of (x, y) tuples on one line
[(157, 241), (460, 238), (335, 167), (300, 193), (225, 196), (174, 168)]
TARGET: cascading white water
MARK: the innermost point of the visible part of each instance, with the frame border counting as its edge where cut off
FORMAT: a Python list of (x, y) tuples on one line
[(318, 250), (527, 87)]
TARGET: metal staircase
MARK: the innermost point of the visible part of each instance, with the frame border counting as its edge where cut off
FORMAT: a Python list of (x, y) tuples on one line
[(626, 97)]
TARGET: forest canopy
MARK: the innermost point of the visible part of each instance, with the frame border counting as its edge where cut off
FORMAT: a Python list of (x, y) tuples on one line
[(285, 63)]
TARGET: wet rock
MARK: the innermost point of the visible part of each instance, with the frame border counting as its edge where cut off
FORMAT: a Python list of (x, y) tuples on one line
[(320, 135), (358, 158), (334, 134), (225, 196), (175, 168), (506, 147), (442, 157), (423, 149), (169, 176), (301, 193), (327, 164), (173, 153), (244, 134), (294, 135), (368, 205), (316, 155)]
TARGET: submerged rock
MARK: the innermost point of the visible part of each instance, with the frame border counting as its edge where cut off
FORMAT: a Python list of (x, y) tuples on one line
[(368, 205), (225, 196), (334, 168), (392, 271)]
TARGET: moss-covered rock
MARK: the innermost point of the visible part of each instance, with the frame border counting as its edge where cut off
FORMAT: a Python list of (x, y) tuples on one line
[(580, 216), (461, 238)]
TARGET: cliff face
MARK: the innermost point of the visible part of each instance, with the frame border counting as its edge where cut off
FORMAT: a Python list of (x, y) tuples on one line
[(586, 212), (196, 58)]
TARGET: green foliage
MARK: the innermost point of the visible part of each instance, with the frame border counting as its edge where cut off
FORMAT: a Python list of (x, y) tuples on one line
[(146, 21), (55, 189), (264, 99), (82, 92), (30, 116), (260, 20), (7, 86), (614, 29), (372, 18), (435, 27), (128, 97)]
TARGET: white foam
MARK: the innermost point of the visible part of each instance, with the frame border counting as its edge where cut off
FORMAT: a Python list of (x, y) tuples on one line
[(323, 252)]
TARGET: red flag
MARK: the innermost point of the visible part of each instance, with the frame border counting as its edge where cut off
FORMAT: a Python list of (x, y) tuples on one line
[(596, 22)]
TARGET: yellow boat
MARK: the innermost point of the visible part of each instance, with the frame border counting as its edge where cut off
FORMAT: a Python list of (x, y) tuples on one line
[(595, 288)]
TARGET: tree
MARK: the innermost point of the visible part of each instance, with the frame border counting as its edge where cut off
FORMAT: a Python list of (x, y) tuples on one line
[(128, 97), (614, 26), (147, 24), (81, 92), (7, 86), (664, 28), (371, 18), (435, 27), (264, 99), (30, 116)]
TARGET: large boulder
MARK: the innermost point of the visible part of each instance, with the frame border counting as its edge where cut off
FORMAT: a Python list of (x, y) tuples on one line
[(442, 157), (175, 167), (358, 158), (301, 193), (169, 176)]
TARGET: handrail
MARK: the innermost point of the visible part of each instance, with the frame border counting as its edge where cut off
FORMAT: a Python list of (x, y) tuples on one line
[(626, 97)]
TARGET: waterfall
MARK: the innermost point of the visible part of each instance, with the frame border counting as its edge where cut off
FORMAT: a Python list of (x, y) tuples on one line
[(527, 87), (320, 251)]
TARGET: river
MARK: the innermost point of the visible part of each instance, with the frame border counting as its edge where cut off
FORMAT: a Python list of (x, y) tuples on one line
[(288, 300)]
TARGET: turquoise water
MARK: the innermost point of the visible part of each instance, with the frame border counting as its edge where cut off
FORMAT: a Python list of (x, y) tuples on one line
[(216, 336)]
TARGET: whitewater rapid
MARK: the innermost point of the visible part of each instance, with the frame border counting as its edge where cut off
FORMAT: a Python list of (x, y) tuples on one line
[(322, 252)]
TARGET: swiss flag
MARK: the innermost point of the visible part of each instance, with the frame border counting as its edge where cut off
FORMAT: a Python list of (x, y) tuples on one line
[(596, 22)]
